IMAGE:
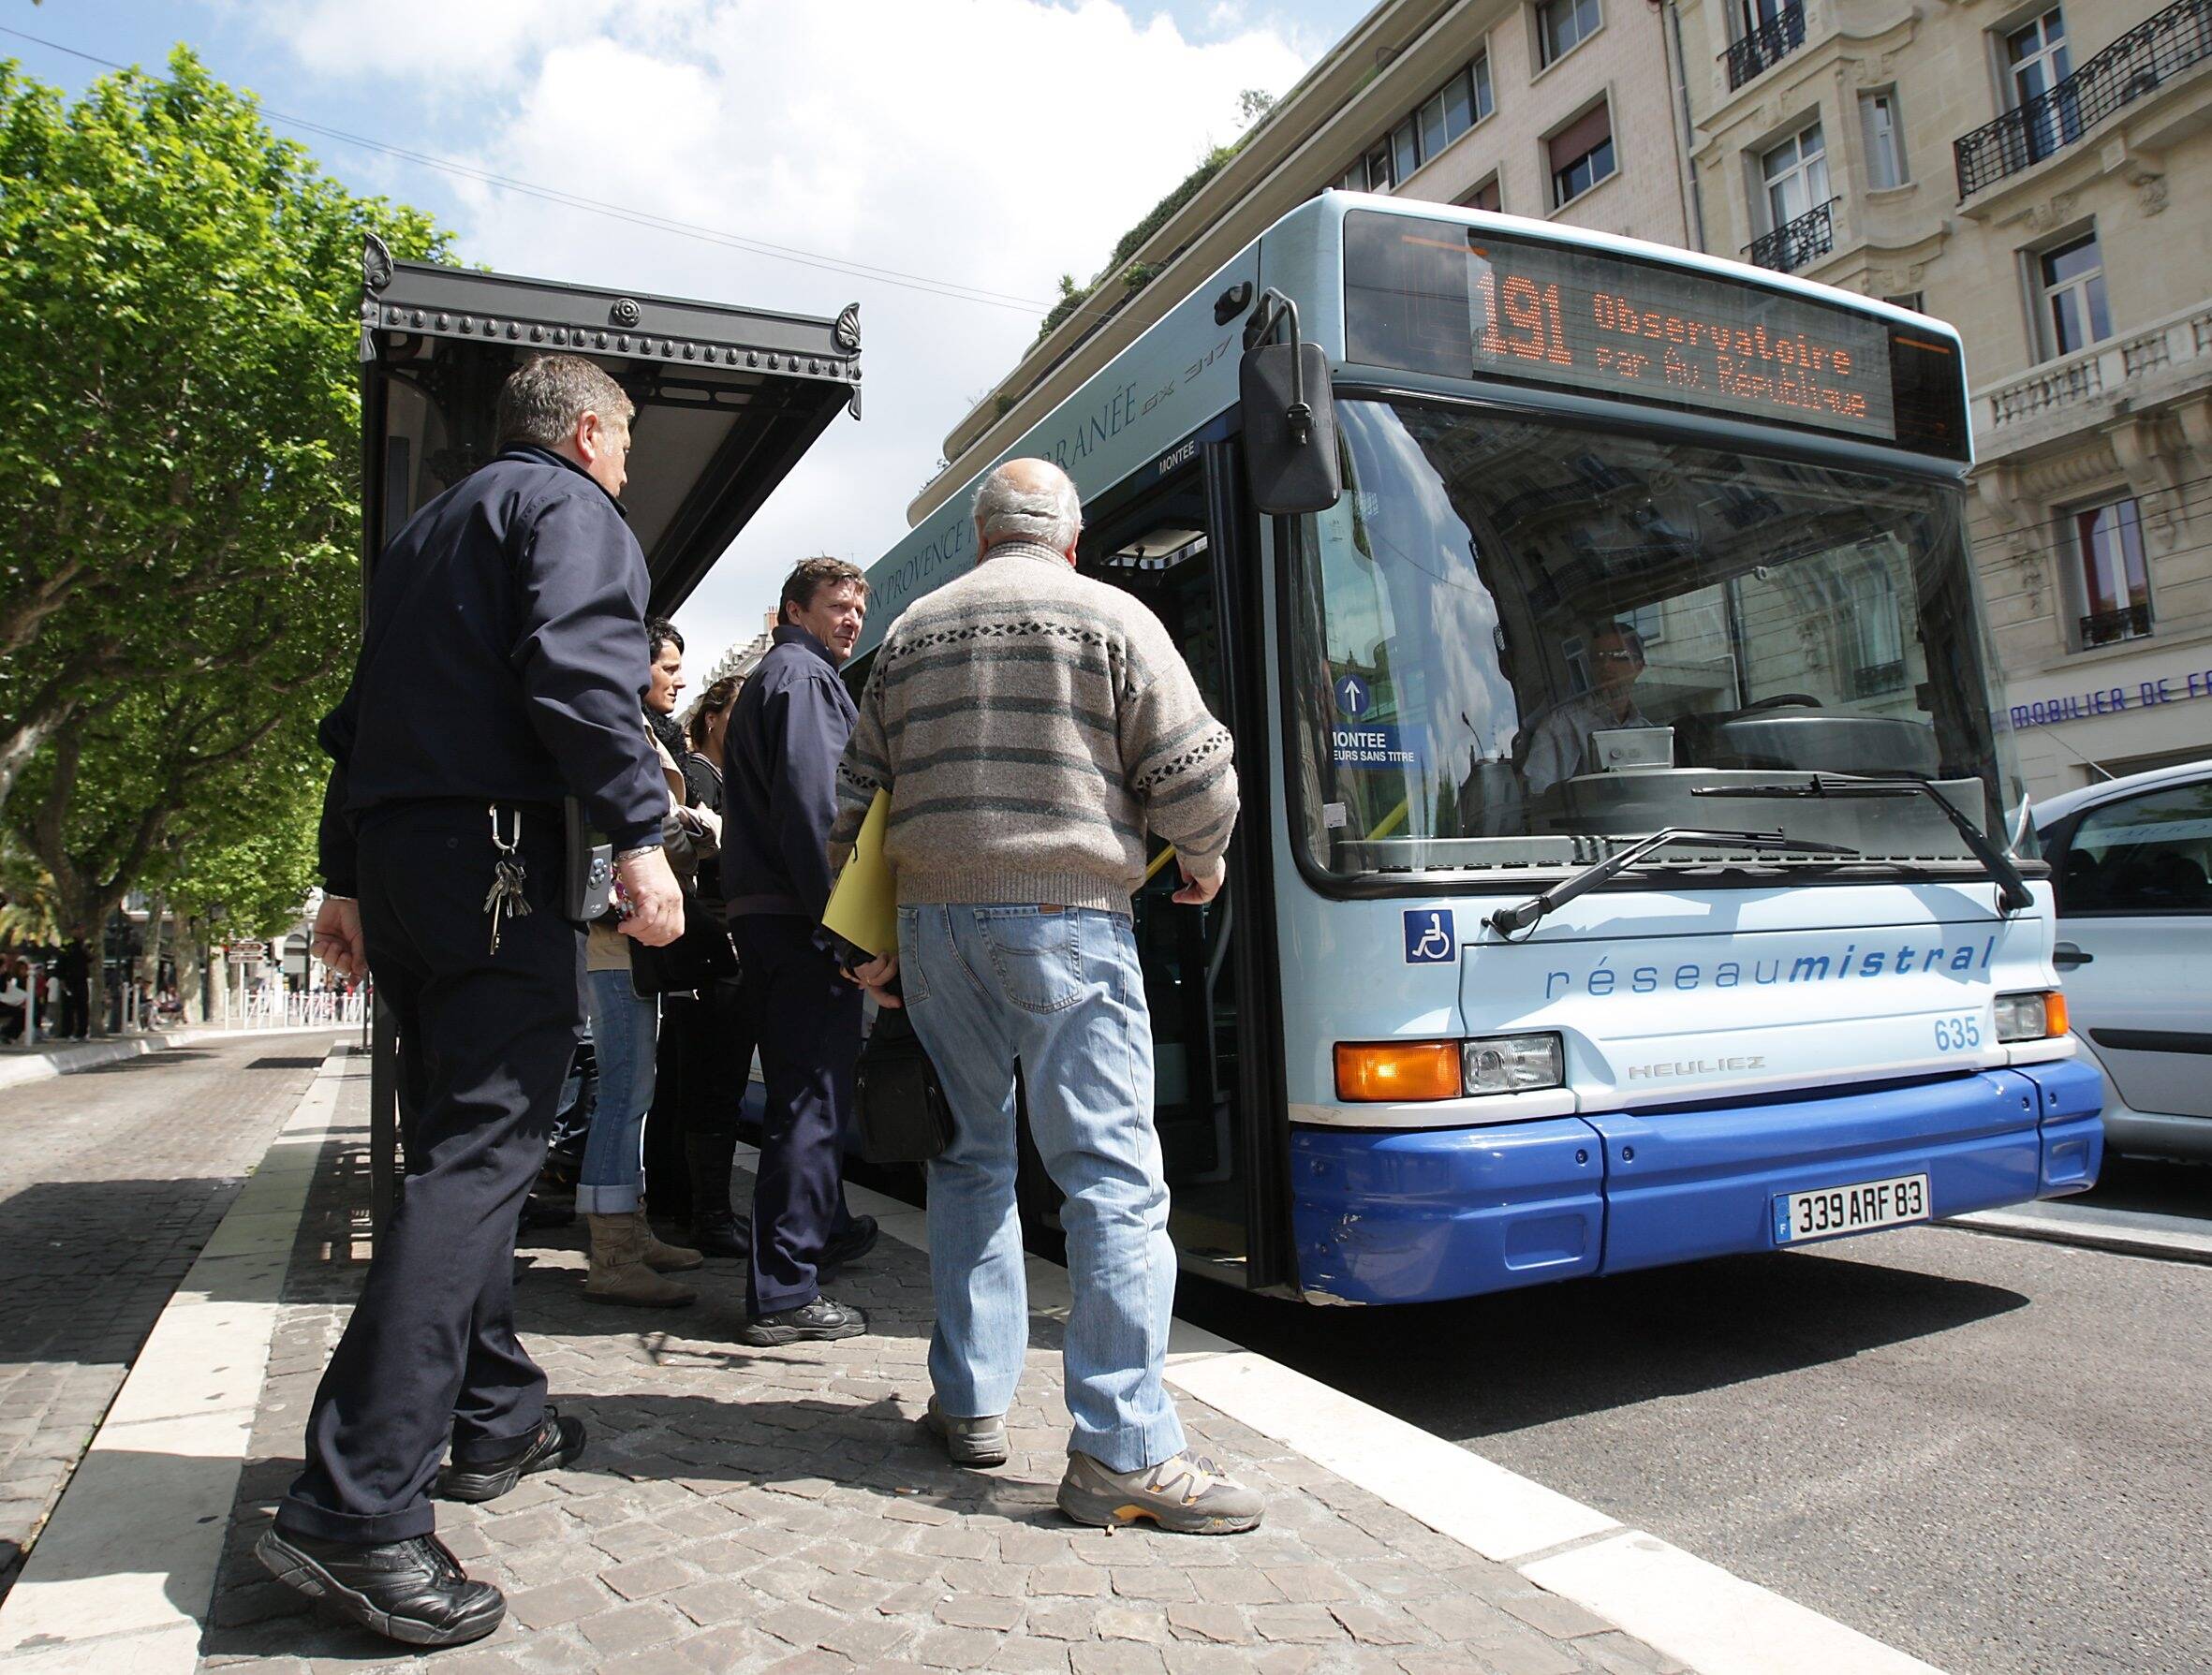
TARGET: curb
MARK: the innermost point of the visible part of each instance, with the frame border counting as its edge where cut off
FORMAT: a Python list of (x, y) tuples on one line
[(1693, 1611), (2090, 1235), (123, 1574), (18, 1069)]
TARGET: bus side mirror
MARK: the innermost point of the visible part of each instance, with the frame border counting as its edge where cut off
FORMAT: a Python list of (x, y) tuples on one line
[(1289, 428)]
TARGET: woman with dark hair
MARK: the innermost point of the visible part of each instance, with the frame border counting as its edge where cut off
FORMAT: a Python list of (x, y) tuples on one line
[(707, 1055)]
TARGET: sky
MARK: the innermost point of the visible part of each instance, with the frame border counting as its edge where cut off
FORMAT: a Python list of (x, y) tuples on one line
[(993, 144)]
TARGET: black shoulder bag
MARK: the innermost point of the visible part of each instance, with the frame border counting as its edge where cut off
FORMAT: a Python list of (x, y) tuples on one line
[(901, 1110)]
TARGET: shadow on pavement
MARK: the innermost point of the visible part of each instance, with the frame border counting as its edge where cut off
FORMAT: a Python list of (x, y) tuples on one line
[(1492, 1364), (2156, 1186)]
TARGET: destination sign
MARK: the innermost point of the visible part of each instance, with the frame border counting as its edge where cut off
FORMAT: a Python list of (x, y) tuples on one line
[(1429, 296)]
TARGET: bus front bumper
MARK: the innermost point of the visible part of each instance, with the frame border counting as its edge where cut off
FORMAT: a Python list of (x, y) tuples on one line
[(1422, 1215)]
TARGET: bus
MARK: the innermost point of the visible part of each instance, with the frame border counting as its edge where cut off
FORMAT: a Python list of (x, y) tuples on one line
[(1631, 869)]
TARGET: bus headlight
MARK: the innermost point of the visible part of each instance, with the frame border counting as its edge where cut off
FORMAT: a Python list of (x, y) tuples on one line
[(1511, 1063), (2035, 1016)]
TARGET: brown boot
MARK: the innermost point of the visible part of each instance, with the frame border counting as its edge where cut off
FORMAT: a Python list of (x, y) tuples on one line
[(618, 1271), (663, 1258)]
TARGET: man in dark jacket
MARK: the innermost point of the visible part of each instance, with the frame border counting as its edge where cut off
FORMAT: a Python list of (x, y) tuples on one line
[(501, 670), (779, 796)]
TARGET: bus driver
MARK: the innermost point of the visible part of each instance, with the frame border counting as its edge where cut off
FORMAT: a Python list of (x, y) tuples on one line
[(1559, 747)]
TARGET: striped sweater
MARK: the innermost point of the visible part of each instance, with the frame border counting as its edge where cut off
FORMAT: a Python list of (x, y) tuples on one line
[(1032, 725)]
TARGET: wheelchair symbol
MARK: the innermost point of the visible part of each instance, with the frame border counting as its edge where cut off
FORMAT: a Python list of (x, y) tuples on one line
[(1429, 939)]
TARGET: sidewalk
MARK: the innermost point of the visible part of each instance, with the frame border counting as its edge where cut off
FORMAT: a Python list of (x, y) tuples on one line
[(752, 1509), (742, 1510)]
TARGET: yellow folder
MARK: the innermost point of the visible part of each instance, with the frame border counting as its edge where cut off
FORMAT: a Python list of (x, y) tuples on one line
[(865, 907)]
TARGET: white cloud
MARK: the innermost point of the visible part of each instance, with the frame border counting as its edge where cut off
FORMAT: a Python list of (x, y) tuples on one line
[(995, 142)]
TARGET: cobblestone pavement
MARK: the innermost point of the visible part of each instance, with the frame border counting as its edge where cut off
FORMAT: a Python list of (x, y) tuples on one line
[(110, 1181), (745, 1510)]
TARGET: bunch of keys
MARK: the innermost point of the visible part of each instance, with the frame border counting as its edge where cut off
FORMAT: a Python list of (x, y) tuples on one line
[(506, 894)]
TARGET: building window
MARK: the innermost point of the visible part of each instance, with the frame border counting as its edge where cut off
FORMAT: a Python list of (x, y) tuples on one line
[(2037, 60), (2115, 585), (1435, 122), (1877, 630), (2072, 281), (1915, 300), (1885, 144), (1562, 26), (1797, 176), (1484, 197), (1581, 156)]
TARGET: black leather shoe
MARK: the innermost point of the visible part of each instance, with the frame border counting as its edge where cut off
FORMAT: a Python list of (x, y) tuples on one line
[(856, 1241), (559, 1442), (813, 1323), (727, 1234), (411, 1591)]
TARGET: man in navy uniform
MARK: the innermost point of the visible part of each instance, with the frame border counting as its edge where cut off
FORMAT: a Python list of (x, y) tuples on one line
[(500, 671), (779, 795)]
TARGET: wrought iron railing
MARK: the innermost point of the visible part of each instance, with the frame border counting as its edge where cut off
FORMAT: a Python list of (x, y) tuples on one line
[(1795, 243), (2154, 51), (1766, 46), (2109, 627)]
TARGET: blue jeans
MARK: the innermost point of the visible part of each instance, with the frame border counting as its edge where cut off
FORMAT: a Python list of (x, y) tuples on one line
[(1058, 990), (612, 1182)]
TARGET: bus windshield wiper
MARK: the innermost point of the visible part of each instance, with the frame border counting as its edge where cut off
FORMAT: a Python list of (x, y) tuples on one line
[(2011, 888), (1521, 914)]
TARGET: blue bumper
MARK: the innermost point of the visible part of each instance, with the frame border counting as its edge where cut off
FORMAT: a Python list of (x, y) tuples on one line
[(1420, 1216)]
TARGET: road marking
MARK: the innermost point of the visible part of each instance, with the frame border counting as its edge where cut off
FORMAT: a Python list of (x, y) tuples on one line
[(1696, 1612), (124, 1572)]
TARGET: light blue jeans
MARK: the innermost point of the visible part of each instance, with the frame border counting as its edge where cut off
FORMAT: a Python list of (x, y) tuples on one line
[(612, 1182), (1059, 990)]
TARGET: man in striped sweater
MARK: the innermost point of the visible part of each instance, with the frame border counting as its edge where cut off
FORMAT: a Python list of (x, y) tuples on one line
[(1032, 725)]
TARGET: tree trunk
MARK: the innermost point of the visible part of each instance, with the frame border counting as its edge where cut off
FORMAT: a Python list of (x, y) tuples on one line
[(191, 971)]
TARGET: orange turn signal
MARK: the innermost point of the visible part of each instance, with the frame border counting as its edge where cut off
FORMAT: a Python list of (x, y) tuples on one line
[(2054, 1014), (1397, 1070)]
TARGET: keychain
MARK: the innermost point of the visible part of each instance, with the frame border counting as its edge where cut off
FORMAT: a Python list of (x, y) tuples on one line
[(506, 894)]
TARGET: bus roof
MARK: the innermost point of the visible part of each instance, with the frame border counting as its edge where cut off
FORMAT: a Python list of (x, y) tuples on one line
[(1144, 409)]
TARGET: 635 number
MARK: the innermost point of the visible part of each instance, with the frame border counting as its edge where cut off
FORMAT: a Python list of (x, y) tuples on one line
[(1957, 1035)]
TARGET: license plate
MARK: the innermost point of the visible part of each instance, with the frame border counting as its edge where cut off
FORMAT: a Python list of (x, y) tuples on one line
[(1835, 1210)]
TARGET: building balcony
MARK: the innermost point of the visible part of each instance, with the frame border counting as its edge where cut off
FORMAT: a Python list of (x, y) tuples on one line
[(2080, 390), (1766, 46), (1797, 243), (2109, 627), (2134, 66)]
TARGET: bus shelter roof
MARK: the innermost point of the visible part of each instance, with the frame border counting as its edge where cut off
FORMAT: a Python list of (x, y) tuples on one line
[(729, 399)]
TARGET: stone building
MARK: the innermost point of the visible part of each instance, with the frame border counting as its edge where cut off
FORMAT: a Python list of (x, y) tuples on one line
[(2037, 174), (2011, 168)]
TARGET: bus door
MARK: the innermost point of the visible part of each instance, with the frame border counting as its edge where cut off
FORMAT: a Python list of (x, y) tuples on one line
[(1208, 970)]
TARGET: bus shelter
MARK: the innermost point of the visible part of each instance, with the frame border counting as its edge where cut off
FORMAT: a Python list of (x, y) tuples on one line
[(728, 400)]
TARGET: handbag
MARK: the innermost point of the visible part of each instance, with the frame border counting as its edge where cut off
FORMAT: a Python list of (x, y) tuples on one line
[(693, 961), (902, 1116)]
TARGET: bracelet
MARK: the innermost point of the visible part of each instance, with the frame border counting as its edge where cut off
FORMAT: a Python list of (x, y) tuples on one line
[(629, 855)]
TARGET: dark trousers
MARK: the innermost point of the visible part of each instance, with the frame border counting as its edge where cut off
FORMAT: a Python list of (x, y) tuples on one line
[(807, 1019), (484, 1041), (76, 1008), (706, 1051)]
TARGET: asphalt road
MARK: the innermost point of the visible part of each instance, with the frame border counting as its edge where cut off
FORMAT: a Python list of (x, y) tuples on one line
[(1989, 1452)]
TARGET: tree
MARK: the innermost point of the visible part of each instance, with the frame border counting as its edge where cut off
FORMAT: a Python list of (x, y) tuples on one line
[(178, 461), (179, 474)]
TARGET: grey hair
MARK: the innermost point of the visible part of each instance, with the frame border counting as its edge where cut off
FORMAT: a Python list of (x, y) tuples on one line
[(1005, 511), (541, 402)]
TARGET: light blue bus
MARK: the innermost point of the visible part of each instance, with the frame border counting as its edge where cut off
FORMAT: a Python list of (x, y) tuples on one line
[(1631, 869)]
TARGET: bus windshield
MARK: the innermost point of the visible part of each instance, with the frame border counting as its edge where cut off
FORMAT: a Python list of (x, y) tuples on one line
[(1514, 641)]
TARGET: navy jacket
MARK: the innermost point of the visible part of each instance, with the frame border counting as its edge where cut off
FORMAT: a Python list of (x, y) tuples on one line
[(779, 779), (504, 661)]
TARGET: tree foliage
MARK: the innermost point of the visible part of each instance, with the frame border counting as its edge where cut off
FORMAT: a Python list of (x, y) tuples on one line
[(179, 473)]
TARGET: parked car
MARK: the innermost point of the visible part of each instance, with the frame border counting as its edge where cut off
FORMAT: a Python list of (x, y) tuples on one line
[(2132, 864)]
